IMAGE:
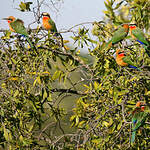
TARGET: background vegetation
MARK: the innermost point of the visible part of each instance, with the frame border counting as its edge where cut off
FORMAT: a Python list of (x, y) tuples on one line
[(51, 98)]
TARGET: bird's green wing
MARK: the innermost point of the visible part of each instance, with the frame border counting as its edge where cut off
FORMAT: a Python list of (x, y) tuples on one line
[(52, 23), (133, 137), (138, 33), (18, 26), (140, 119), (119, 35), (108, 45), (127, 60), (134, 121)]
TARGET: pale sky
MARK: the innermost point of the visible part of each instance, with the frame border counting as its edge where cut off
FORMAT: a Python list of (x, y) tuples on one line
[(71, 12)]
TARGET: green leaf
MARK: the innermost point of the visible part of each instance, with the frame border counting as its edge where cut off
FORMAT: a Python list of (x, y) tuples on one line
[(119, 125), (45, 94), (16, 93), (22, 6), (37, 80), (118, 5), (97, 141), (25, 6), (109, 8), (147, 93), (56, 75), (105, 123), (14, 61), (77, 120), (7, 134)]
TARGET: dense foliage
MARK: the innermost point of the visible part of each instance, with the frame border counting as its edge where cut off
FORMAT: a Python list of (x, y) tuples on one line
[(39, 86)]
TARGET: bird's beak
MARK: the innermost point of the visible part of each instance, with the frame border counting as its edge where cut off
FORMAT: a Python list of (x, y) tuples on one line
[(41, 16), (5, 19)]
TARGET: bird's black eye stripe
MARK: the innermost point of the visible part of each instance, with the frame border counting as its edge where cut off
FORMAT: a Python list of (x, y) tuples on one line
[(46, 15), (133, 25), (120, 52)]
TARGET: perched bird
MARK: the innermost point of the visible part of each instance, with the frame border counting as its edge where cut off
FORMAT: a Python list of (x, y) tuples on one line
[(49, 25), (118, 36), (17, 25), (137, 34), (138, 119), (123, 60)]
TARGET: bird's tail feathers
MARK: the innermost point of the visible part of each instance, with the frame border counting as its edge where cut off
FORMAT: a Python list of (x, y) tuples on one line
[(133, 137), (108, 45), (29, 41), (57, 34), (62, 42)]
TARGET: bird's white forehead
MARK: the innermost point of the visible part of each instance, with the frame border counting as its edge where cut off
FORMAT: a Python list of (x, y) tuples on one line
[(44, 13)]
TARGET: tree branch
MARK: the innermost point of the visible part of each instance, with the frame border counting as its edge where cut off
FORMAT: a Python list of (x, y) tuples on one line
[(67, 91)]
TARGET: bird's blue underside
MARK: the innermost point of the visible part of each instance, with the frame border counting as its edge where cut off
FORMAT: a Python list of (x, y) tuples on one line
[(134, 121), (140, 42), (130, 66)]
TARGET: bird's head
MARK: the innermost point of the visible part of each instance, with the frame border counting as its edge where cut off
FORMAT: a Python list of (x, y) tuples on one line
[(141, 104), (10, 19), (45, 16), (125, 25), (132, 26)]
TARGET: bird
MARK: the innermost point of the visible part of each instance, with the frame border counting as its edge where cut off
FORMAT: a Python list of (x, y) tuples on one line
[(49, 25), (123, 60), (118, 36), (138, 35), (17, 25), (138, 118)]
